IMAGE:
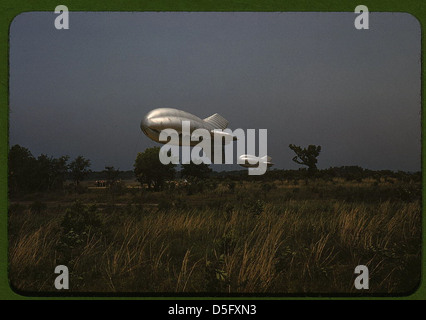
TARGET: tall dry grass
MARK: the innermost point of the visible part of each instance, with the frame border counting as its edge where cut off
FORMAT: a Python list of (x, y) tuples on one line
[(295, 246)]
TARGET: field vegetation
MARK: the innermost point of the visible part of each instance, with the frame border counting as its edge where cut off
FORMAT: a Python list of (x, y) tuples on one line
[(279, 234)]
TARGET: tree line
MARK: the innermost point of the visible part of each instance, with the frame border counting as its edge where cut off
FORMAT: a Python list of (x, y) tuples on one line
[(30, 174), (44, 173)]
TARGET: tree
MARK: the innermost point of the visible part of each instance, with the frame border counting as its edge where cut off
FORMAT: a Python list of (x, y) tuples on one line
[(43, 172), (148, 169), (27, 173), (192, 170), (79, 169), (50, 173), (307, 156), (59, 168), (21, 169)]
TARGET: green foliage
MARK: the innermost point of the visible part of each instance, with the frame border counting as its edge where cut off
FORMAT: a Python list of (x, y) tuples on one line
[(80, 218), (79, 169), (28, 174), (50, 173), (254, 207), (408, 192), (307, 156), (192, 170), (226, 245), (80, 223), (304, 238), (21, 169), (149, 169), (216, 277), (223, 242)]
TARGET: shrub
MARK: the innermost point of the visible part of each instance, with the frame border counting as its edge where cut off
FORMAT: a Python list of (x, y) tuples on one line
[(254, 207), (78, 224), (217, 279), (408, 193)]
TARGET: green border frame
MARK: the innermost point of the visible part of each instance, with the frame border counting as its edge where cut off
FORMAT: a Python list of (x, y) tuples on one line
[(9, 9)]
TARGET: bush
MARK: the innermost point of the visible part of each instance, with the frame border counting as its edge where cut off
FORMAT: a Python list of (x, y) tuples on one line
[(408, 193), (254, 207), (216, 277), (78, 224)]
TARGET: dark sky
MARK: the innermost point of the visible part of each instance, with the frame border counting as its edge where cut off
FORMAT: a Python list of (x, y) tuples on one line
[(309, 78)]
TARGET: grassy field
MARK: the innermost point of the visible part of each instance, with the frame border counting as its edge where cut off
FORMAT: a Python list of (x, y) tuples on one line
[(281, 237)]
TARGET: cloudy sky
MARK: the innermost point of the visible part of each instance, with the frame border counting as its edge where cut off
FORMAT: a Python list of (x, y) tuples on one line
[(309, 78)]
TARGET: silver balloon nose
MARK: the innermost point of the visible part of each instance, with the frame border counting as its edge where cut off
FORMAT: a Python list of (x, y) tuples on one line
[(145, 124)]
